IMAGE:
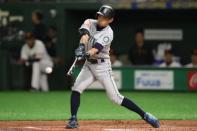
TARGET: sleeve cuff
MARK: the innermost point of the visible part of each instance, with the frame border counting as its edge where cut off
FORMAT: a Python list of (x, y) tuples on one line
[(98, 46)]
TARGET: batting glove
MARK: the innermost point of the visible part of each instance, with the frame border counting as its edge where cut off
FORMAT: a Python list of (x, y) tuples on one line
[(80, 52)]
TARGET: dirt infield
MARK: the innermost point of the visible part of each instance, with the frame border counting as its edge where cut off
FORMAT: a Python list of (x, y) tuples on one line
[(99, 125)]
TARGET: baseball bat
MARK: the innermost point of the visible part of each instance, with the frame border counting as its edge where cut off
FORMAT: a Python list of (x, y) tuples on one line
[(69, 73)]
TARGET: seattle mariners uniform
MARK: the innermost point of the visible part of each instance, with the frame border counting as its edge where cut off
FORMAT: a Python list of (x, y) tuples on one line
[(96, 37), (34, 53)]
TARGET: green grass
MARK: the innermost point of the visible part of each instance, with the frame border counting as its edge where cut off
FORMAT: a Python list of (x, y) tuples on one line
[(95, 105)]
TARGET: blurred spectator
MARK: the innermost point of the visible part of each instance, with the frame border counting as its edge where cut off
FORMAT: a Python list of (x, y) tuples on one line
[(139, 54), (51, 41), (159, 52), (193, 59), (35, 56), (39, 29), (168, 60), (51, 44), (114, 59)]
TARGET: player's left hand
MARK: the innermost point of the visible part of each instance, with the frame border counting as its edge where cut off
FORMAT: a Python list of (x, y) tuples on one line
[(80, 52)]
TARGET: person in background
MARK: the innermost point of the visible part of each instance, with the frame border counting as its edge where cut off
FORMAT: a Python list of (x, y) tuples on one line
[(193, 59), (39, 28), (168, 60), (51, 44), (158, 52), (114, 59), (34, 55), (51, 41), (139, 54)]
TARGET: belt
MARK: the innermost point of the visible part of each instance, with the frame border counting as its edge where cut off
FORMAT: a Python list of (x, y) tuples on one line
[(96, 61)]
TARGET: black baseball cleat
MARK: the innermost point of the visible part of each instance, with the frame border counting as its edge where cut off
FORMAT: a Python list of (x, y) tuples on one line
[(152, 120), (72, 123)]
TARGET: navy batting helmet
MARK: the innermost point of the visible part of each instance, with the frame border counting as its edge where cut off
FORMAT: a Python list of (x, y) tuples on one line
[(106, 11)]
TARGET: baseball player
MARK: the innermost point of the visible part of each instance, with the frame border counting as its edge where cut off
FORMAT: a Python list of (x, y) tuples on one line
[(34, 54), (95, 39)]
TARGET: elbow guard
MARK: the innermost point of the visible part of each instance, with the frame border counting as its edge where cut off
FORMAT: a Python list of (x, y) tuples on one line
[(83, 32)]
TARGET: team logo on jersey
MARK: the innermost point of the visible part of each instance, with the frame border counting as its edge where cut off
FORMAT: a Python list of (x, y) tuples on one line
[(106, 39)]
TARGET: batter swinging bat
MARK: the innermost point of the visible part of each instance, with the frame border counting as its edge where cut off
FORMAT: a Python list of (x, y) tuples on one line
[(69, 73)]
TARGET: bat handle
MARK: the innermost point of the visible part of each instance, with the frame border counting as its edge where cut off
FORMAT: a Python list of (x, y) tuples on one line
[(69, 73)]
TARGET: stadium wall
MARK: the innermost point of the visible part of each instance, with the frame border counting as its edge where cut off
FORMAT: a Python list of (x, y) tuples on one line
[(69, 18)]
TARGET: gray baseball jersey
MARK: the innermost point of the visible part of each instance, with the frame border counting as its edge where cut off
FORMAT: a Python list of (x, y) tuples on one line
[(103, 37), (101, 71)]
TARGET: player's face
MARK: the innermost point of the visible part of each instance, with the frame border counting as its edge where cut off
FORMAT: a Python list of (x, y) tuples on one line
[(30, 42), (139, 39), (168, 57), (194, 58), (34, 18), (103, 21)]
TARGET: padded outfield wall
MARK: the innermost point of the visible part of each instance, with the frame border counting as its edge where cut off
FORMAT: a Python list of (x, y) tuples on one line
[(146, 78)]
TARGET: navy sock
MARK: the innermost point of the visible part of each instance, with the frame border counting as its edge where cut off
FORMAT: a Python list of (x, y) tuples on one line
[(132, 106), (75, 102)]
